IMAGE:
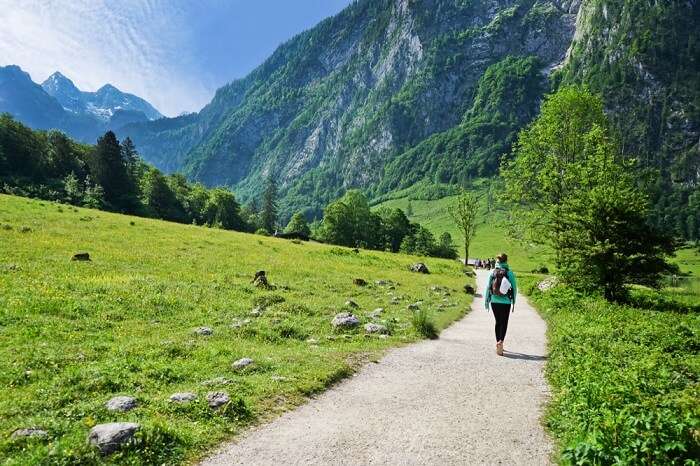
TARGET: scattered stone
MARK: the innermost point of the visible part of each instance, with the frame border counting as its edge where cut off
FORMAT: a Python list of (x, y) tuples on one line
[(376, 328), (352, 304), (419, 267), (203, 331), (359, 282), (217, 399), (547, 284), (467, 289), (109, 437), (345, 320), (242, 364), (81, 256), (312, 341), (381, 282), (238, 323), (121, 403), (260, 280), (25, 229), (184, 397), (395, 300), (377, 313), (32, 432), (279, 378), (256, 312), (414, 306), (216, 381)]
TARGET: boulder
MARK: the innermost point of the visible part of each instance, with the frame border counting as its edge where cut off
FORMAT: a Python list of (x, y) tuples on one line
[(216, 381), (32, 432), (345, 320), (217, 399), (203, 331), (376, 329), (238, 323), (419, 267), (81, 256), (547, 284), (184, 397), (121, 403), (109, 437), (241, 364)]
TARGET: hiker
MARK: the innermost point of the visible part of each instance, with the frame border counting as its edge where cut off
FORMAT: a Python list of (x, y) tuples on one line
[(501, 290)]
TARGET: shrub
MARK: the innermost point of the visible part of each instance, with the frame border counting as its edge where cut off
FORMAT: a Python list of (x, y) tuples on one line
[(424, 325)]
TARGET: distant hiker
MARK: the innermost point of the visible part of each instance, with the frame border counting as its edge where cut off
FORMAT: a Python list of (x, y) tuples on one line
[(501, 291)]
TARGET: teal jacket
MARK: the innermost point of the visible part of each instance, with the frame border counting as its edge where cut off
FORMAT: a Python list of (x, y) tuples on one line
[(489, 298)]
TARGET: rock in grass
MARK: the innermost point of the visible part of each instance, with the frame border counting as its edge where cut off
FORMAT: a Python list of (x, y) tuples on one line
[(121, 403), (203, 331), (376, 314), (419, 267), (547, 284), (352, 304), (81, 256), (256, 312), (242, 364), (217, 399), (414, 306), (359, 282), (238, 323), (184, 397), (345, 320), (32, 432), (109, 437), (376, 329), (216, 381)]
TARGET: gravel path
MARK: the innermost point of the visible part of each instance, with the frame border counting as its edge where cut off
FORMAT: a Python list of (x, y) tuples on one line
[(449, 401)]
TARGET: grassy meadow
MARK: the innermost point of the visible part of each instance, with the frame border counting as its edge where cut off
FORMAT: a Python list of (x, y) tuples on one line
[(74, 334)]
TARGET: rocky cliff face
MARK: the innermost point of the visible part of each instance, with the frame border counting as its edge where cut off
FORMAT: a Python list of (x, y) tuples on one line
[(330, 108), (391, 92)]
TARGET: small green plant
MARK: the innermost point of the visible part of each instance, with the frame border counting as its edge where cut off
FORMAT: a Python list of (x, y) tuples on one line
[(424, 325)]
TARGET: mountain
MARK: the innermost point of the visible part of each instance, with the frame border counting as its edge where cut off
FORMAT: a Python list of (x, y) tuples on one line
[(59, 104), (334, 106), (101, 104)]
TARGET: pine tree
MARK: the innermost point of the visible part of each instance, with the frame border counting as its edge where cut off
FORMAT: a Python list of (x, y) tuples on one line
[(110, 172), (269, 212)]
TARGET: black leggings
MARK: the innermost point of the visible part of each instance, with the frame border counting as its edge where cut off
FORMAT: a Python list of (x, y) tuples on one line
[(501, 312)]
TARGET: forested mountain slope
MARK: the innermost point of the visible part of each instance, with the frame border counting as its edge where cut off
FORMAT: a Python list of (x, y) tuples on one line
[(330, 108), (390, 92)]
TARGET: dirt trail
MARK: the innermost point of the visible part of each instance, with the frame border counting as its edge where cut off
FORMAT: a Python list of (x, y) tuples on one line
[(449, 401)]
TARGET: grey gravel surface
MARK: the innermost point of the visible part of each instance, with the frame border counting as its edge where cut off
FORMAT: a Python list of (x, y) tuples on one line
[(452, 401)]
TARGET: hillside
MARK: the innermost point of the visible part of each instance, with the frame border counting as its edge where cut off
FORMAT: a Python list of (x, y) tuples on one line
[(333, 106), (75, 334), (388, 93)]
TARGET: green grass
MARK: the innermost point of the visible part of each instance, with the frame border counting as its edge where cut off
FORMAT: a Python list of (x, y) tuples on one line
[(624, 381), (74, 334), (491, 235)]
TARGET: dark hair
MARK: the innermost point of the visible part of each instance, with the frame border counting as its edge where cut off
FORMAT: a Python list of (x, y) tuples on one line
[(502, 257)]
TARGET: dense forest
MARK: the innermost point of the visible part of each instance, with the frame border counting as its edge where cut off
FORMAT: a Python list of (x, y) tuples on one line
[(110, 175)]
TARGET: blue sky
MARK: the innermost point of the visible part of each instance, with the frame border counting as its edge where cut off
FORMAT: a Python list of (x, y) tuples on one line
[(174, 53)]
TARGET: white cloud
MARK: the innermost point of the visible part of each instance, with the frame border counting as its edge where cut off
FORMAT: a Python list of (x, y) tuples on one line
[(140, 46)]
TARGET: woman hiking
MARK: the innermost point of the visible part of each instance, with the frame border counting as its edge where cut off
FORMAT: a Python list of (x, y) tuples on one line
[(501, 290)]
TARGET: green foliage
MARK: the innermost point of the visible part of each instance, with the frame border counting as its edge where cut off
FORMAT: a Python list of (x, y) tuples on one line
[(298, 225), (465, 213), (424, 325), (108, 176), (624, 381), (77, 333), (580, 198), (647, 71)]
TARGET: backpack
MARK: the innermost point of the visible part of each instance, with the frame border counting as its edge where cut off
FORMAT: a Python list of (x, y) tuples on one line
[(498, 276)]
